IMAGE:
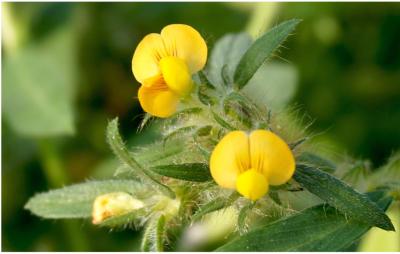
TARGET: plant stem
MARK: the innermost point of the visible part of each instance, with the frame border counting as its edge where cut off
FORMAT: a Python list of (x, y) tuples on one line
[(56, 176), (261, 18)]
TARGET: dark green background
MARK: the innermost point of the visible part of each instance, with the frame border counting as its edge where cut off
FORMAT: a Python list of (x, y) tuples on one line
[(347, 56)]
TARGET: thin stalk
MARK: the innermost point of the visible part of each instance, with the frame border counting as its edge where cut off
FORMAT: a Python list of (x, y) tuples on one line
[(56, 176)]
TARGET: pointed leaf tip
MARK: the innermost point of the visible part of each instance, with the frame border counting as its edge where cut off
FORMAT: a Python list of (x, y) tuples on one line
[(261, 50)]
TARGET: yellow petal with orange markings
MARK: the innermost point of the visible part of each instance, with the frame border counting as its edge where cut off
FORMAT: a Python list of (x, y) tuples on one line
[(252, 184), (272, 156), (160, 102), (176, 75), (186, 43), (147, 56), (230, 158)]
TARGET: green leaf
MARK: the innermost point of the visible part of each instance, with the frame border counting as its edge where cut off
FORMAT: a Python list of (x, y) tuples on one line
[(261, 50), (215, 205), (204, 80), (227, 52), (153, 237), (340, 195), (195, 172), (319, 228), (158, 154), (273, 85), (76, 201), (206, 95), (38, 86), (115, 141), (313, 160)]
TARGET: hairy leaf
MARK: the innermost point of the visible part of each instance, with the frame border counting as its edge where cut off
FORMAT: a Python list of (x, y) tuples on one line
[(214, 205), (261, 50), (76, 201), (319, 228), (196, 172), (340, 195), (313, 160), (225, 56)]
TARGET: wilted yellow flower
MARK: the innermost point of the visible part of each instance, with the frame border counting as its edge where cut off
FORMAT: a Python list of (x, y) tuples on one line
[(250, 163), (163, 63), (113, 204)]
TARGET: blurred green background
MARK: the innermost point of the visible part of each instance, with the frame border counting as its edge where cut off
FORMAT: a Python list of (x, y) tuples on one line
[(67, 71)]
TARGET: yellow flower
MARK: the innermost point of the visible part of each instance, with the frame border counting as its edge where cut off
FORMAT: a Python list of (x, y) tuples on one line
[(163, 63), (250, 163), (113, 204)]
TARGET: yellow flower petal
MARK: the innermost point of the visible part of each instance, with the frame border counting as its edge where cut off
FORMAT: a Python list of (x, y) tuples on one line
[(153, 81), (252, 184), (158, 101), (185, 42), (272, 156), (147, 56), (176, 75), (229, 158)]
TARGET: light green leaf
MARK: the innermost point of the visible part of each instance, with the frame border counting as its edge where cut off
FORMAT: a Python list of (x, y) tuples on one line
[(319, 228), (227, 52), (38, 83), (261, 50), (76, 201), (195, 172), (215, 205), (273, 85), (340, 195)]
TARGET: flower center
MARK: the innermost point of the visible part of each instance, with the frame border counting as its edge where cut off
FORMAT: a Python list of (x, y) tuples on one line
[(176, 75), (252, 184)]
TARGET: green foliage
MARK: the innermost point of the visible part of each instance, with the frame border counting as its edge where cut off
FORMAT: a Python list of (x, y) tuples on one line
[(226, 54), (215, 205), (38, 86), (173, 177), (320, 228), (261, 50), (76, 201), (313, 160), (196, 172), (338, 194), (117, 145)]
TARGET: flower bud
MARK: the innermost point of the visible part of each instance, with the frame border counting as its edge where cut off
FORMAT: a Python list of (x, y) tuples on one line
[(113, 204)]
